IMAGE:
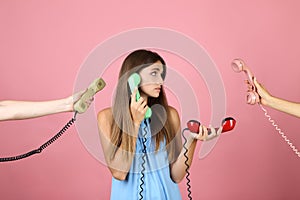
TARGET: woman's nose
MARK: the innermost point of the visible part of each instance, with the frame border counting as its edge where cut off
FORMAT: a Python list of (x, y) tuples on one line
[(160, 80)]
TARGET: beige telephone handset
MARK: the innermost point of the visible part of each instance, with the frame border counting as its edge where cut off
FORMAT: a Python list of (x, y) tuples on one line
[(81, 106)]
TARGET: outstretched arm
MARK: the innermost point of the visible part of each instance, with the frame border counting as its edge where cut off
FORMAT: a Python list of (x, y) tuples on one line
[(282, 105), (16, 110)]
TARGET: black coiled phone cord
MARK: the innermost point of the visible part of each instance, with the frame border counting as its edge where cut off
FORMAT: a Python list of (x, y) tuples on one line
[(143, 162), (44, 146), (187, 166)]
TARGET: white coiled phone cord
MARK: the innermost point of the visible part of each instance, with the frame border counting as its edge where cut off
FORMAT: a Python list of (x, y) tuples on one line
[(280, 132)]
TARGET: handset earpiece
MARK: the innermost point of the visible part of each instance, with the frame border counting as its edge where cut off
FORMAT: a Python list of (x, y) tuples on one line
[(133, 82), (228, 124), (238, 65), (81, 106)]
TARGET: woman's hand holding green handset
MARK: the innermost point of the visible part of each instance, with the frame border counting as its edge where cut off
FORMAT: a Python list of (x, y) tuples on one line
[(139, 108)]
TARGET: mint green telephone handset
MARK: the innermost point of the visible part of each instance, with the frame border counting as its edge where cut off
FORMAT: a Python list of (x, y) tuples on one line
[(133, 82)]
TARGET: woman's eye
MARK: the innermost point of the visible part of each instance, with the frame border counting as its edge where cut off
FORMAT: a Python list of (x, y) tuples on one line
[(153, 73)]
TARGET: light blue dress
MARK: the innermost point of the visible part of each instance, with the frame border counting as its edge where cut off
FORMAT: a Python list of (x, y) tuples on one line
[(158, 184)]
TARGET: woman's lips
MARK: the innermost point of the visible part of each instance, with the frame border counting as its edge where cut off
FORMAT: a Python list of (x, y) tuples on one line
[(157, 89)]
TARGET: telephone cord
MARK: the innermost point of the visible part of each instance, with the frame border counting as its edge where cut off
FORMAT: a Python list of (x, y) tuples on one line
[(187, 166), (44, 146), (144, 139), (280, 132)]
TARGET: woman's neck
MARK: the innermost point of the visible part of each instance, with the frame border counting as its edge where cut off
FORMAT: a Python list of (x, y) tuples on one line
[(145, 97)]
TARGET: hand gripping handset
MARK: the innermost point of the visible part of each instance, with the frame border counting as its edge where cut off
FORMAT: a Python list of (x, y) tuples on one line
[(81, 106), (227, 125), (238, 65), (133, 82), (193, 126)]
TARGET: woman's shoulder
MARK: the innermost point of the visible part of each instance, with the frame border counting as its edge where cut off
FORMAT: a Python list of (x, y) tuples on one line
[(172, 110), (105, 120), (173, 114), (174, 119), (105, 117), (105, 111)]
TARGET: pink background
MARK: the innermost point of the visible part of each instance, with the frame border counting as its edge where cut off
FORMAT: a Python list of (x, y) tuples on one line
[(44, 44)]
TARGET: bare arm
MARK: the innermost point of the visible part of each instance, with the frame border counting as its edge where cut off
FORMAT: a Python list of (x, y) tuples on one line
[(282, 105), (119, 163), (15, 110), (178, 168)]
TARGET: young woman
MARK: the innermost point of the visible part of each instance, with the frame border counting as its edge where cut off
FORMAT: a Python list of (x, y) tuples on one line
[(144, 156)]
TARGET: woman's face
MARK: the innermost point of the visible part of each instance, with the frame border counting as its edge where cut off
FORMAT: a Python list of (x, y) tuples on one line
[(151, 79)]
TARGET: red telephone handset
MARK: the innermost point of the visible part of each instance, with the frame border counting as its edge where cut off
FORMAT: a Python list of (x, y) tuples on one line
[(238, 65), (227, 124), (193, 125)]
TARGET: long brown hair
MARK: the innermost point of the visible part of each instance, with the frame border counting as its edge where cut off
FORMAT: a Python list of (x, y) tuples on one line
[(122, 126)]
